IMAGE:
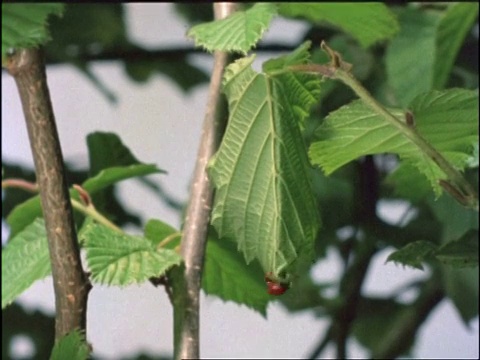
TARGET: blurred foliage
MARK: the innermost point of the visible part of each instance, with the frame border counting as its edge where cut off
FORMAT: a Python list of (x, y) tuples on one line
[(348, 199), (98, 31)]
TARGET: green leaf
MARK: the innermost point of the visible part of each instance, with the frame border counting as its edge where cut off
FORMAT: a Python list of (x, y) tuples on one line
[(447, 119), (107, 150), (413, 254), (456, 219), (24, 25), (237, 33), (110, 161), (25, 259), (157, 230), (452, 29), (114, 175), (410, 56), (26, 212), (264, 199), (227, 276), (461, 286), (72, 346), (120, 259), (421, 56), (408, 183), (374, 320), (366, 22), (225, 272), (462, 252)]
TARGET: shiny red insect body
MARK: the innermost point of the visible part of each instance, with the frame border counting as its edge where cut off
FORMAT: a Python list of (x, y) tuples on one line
[(274, 287)]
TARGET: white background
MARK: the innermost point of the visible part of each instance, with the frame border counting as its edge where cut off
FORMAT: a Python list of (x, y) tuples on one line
[(162, 125)]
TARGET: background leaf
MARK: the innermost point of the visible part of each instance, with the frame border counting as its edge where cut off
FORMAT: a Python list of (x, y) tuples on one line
[(227, 276), (121, 259), (461, 286), (26, 212), (264, 200), (71, 346), (25, 259), (410, 56), (106, 152), (421, 56), (237, 33), (24, 25), (452, 29), (366, 22), (413, 254), (462, 252)]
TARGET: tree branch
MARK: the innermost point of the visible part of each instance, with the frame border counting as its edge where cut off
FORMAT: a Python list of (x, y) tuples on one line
[(136, 53), (70, 283), (187, 287)]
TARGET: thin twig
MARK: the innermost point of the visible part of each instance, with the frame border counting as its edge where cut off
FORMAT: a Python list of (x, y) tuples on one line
[(70, 282), (186, 304)]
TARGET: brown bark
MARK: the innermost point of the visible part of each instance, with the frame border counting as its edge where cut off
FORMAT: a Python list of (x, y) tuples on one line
[(70, 283)]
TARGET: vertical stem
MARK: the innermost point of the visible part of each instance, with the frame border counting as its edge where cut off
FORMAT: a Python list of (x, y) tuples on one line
[(187, 287), (70, 283)]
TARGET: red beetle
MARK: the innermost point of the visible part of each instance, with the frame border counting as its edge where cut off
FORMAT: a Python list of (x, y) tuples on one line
[(274, 287)]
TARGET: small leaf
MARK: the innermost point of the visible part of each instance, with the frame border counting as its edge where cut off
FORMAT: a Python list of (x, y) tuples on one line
[(72, 346), (121, 259), (264, 199), (413, 254), (237, 33), (367, 22), (462, 252), (227, 276), (25, 259), (24, 25)]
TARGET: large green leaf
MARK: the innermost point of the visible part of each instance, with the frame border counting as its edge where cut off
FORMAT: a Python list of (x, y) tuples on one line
[(72, 346), (24, 25), (120, 259), (239, 32), (367, 22), (264, 199), (447, 119), (25, 259)]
